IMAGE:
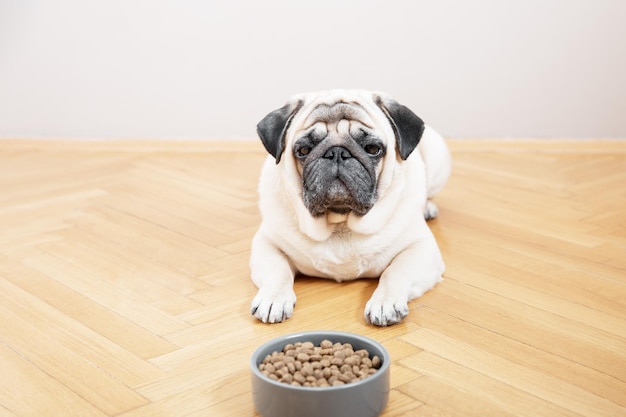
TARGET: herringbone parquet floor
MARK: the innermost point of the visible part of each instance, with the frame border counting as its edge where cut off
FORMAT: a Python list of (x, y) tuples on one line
[(124, 287)]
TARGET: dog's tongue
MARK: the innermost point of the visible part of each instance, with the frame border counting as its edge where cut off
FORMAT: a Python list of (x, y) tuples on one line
[(334, 217)]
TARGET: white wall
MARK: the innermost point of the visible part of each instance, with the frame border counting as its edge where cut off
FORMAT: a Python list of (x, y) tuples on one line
[(211, 69)]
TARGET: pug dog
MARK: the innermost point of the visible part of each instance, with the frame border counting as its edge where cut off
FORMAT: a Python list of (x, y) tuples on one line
[(344, 194)]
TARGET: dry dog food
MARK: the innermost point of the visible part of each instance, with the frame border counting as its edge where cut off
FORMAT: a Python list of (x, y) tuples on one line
[(329, 364)]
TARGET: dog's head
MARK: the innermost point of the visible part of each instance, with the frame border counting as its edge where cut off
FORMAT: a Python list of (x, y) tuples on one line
[(338, 144)]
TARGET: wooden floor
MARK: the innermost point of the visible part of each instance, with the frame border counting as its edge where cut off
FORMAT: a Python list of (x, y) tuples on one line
[(125, 290)]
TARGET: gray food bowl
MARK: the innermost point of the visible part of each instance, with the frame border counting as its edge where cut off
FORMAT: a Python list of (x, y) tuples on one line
[(365, 398)]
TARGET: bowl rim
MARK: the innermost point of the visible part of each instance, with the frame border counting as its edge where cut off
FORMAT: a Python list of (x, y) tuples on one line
[(385, 359)]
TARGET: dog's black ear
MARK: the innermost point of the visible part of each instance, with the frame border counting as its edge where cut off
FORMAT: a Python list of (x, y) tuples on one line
[(273, 128), (407, 126)]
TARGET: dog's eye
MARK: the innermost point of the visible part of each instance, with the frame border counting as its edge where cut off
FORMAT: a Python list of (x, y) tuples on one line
[(373, 150), (303, 151)]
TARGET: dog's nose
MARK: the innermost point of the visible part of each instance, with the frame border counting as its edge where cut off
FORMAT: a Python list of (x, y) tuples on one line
[(337, 154)]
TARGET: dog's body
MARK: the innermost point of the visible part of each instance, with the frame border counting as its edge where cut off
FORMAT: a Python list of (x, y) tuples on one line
[(341, 198)]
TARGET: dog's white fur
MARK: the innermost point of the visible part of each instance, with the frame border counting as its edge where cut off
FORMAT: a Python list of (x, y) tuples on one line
[(391, 241)]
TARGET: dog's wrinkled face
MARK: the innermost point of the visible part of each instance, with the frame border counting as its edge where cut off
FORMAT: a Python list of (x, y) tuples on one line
[(337, 157), (337, 144)]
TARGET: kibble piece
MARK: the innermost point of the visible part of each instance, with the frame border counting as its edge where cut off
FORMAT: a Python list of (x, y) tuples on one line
[(362, 353), (376, 362), (336, 361), (303, 357), (326, 344), (353, 360), (307, 369), (347, 377), (299, 378)]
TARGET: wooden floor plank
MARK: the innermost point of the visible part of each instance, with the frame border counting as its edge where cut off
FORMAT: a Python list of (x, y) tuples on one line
[(26, 390), (37, 327), (118, 292), (500, 370), (451, 399), (524, 354), (480, 386), (537, 328)]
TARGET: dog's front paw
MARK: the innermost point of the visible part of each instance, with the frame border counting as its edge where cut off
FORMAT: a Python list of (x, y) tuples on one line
[(382, 312), (430, 210), (273, 306)]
